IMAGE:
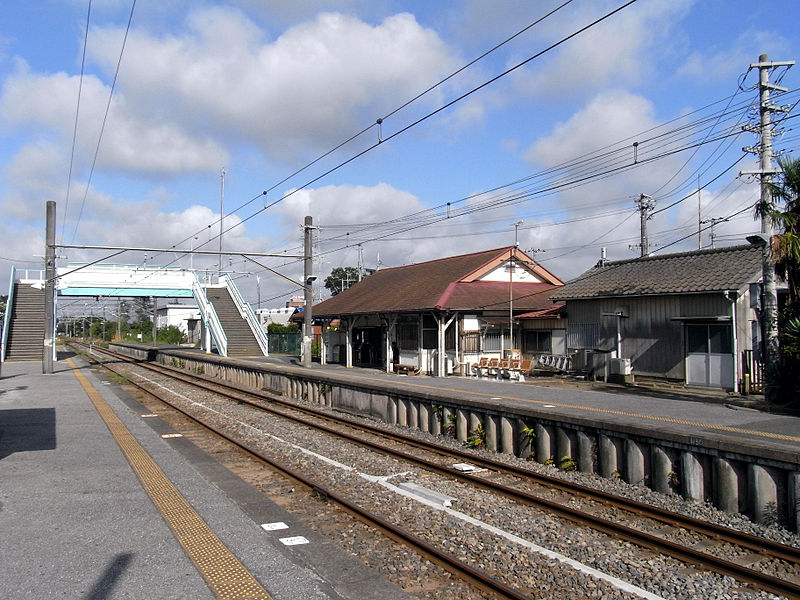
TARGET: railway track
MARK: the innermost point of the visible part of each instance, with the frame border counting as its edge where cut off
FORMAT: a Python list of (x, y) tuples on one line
[(522, 486)]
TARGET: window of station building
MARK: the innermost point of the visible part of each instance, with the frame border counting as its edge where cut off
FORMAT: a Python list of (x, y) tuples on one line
[(494, 340), (536, 340), (471, 342), (450, 337), (408, 335), (429, 332)]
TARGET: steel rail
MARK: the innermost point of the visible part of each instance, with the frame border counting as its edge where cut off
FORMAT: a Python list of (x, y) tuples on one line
[(762, 580), (448, 561), (745, 540)]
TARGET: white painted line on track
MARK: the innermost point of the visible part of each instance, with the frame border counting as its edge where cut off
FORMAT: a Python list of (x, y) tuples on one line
[(274, 526), (578, 566), (294, 540), (383, 481)]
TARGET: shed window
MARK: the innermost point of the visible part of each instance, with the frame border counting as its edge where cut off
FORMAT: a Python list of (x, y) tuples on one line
[(491, 341), (709, 339), (537, 341)]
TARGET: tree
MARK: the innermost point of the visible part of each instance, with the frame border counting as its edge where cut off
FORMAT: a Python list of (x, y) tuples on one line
[(171, 335), (786, 245), (340, 279), (279, 328), (786, 249)]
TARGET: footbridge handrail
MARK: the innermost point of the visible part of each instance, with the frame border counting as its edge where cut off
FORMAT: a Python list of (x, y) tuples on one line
[(210, 317), (247, 314), (7, 315)]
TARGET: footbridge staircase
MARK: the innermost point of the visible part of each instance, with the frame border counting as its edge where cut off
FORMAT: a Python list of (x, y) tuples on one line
[(229, 324), (23, 326)]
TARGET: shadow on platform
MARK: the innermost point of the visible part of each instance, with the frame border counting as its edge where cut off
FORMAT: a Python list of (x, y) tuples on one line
[(27, 430)]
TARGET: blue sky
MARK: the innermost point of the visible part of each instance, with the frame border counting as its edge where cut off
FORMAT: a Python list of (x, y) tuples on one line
[(263, 89)]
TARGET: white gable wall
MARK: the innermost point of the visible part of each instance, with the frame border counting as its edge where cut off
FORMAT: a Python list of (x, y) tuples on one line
[(520, 274)]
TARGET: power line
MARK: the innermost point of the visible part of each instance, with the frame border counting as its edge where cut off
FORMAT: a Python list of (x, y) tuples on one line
[(105, 118), (77, 113), (433, 113), (679, 240), (389, 114)]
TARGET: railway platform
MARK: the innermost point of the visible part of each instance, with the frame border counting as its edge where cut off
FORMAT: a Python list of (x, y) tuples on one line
[(744, 421), (100, 500)]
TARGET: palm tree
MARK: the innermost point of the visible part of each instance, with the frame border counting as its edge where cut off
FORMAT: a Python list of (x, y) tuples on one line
[(786, 249), (786, 245)]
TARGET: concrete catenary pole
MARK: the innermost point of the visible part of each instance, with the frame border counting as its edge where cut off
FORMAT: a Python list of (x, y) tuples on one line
[(308, 279), (49, 288), (221, 218), (645, 203), (155, 318)]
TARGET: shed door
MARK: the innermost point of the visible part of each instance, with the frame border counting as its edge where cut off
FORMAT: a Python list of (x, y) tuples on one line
[(709, 355)]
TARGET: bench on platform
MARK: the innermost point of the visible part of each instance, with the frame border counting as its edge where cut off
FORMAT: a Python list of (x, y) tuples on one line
[(520, 369), (479, 367), (405, 369)]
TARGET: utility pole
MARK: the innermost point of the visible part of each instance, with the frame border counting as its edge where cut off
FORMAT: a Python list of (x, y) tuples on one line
[(511, 288), (769, 300), (221, 217), (699, 218), (308, 279), (646, 204), (49, 288), (713, 222)]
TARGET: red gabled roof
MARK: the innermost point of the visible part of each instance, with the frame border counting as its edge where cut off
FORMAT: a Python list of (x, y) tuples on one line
[(442, 284), (555, 311)]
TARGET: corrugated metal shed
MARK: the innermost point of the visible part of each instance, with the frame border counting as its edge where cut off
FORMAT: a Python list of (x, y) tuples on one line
[(699, 271)]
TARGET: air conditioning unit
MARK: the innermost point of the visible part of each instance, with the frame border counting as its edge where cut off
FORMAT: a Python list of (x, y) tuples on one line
[(619, 366)]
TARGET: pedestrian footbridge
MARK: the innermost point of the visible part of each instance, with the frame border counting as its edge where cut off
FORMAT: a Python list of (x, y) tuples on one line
[(229, 324)]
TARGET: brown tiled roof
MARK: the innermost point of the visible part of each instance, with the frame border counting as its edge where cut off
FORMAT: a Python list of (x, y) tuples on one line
[(436, 285), (718, 269)]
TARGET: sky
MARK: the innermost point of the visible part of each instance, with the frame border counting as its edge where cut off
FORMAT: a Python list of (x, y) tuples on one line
[(408, 131)]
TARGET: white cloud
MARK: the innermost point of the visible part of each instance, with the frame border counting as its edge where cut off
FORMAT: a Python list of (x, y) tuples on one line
[(131, 141), (622, 49), (315, 84), (606, 119), (726, 63), (610, 116), (39, 174)]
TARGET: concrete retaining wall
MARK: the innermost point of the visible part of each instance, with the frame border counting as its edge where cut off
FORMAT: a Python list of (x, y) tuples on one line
[(759, 482)]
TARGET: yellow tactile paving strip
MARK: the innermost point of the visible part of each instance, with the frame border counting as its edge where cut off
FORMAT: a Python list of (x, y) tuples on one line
[(607, 411), (224, 574)]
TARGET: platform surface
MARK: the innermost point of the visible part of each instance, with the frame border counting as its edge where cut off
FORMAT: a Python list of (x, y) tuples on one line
[(77, 523)]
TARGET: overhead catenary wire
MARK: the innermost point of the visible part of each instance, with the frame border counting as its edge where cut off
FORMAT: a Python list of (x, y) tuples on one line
[(105, 119), (428, 212), (614, 149), (432, 113), (387, 115), (77, 115), (509, 200)]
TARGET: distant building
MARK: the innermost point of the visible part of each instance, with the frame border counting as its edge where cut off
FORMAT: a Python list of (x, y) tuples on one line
[(185, 317), (280, 316), (296, 302)]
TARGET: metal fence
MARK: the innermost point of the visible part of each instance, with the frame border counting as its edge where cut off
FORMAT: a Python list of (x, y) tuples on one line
[(285, 343), (752, 374)]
